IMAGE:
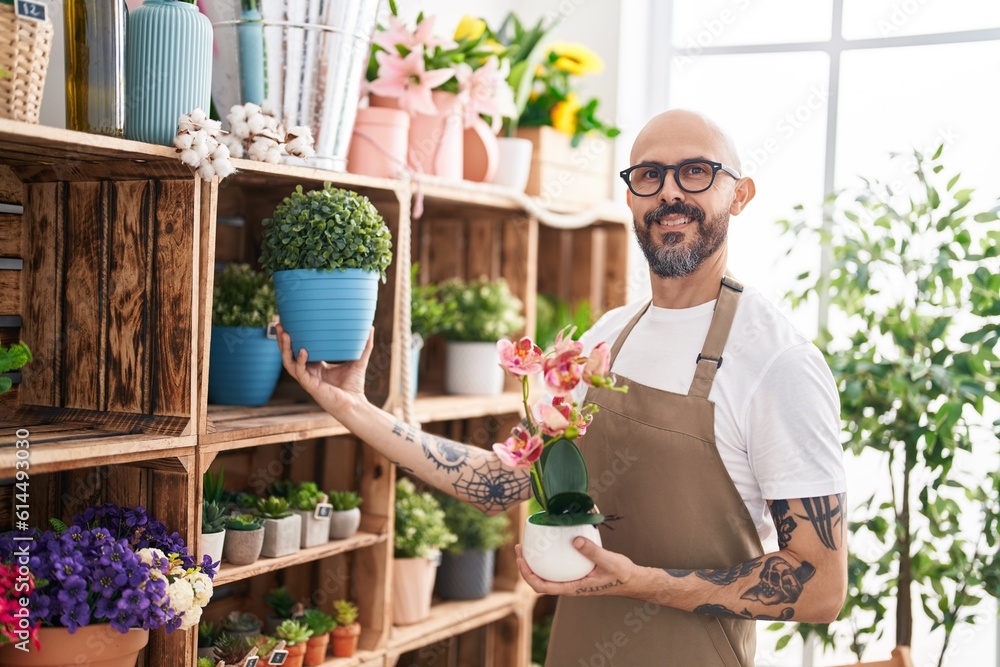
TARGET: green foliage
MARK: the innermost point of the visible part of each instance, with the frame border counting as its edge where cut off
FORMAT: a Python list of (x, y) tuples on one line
[(474, 530), (343, 501), (305, 496), (420, 523), (213, 518), (273, 507), (243, 298), (915, 290), (264, 645), (245, 501), (293, 632), (212, 487), (11, 359), (481, 310), (281, 488), (319, 622), (208, 632), (205, 662), (553, 314), (521, 48), (541, 630), (280, 601), (326, 229), (231, 649), (346, 612), (245, 522), (426, 310), (240, 621)]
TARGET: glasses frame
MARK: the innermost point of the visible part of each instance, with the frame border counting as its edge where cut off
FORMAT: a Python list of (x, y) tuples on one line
[(662, 168)]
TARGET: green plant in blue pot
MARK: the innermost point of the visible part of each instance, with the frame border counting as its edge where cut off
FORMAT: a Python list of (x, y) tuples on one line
[(245, 364), (327, 249)]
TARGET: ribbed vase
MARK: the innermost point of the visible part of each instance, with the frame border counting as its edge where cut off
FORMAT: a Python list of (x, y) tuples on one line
[(168, 68)]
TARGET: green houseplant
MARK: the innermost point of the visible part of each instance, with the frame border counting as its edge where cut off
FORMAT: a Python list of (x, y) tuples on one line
[(466, 571), (208, 632), (320, 624), (283, 607), (347, 631), (426, 314), (346, 517), (296, 636), (213, 531), (327, 250), (244, 539), (232, 649), (241, 626), (244, 363), (12, 359), (282, 527), (915, 291), (476, 315), (304, 497), (421, 533)]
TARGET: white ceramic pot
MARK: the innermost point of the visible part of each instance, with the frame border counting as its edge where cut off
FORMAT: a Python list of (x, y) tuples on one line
[(314, 531), (514, 163), (549, 550), (344, 524), (412, 589), (281, 536), (211, 545), (472, 368)]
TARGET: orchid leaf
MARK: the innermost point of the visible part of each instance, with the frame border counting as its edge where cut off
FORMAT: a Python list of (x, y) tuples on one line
[(546, 519), (570, 503), (563, 468)]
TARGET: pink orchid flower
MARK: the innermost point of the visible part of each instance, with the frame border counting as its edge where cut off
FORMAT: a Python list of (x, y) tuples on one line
[(520, 358), (562, 373), (551, 418), (520, 450), (598, 364), (406, 79)]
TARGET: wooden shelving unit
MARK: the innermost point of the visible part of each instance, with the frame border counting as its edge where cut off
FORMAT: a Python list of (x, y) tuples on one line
[(118, 245)]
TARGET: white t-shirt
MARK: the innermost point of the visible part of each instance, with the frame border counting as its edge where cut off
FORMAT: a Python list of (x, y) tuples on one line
[(777, 411)]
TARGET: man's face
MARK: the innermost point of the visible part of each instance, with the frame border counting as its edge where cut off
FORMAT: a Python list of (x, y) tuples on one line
[(678, 230)]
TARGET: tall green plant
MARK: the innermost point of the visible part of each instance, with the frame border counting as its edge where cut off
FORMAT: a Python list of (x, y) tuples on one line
[(914, 291)]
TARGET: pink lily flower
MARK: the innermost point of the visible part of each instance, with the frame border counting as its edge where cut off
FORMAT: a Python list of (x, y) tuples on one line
[(406, 79), (520, 450), (521, 358), (422, 37), (486, 92)]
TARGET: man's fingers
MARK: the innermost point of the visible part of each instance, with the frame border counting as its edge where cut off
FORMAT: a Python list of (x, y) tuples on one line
[(587, 548), (369, 346)]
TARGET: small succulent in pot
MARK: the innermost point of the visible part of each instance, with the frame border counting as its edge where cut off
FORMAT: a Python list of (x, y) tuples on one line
[(282, 527), (345, 635), (244, 539), (346, 517), (296, 636), (273, 507), (240, 625), (232, 649), (320, 624)]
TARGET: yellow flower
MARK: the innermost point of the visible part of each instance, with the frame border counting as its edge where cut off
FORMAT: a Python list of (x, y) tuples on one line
[(576, 58), (564, 114), (470, 28), (494, 46)]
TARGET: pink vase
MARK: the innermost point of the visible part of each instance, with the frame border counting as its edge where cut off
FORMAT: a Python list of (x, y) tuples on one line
[(379, 142), (436, 141), (481, 153)]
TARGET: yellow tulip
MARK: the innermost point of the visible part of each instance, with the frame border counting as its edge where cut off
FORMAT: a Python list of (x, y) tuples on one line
[(576, 58), (470, 28), (564, 114)]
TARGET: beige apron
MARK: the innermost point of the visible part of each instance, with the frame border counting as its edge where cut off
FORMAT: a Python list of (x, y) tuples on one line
[(652, 460)]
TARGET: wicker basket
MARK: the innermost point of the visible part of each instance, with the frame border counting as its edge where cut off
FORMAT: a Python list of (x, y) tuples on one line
[(24, 60)]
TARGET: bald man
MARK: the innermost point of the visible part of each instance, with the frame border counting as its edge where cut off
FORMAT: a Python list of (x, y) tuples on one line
[(729, 478)]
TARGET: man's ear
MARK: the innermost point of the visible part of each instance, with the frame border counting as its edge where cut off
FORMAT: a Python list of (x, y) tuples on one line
[(628, 197), (744, 192)]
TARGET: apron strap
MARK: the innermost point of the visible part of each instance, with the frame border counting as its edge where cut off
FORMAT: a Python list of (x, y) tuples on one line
[(625, 332), (710, 359)]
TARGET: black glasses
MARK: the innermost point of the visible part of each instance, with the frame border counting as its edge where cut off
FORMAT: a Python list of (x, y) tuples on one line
[(646, 179)]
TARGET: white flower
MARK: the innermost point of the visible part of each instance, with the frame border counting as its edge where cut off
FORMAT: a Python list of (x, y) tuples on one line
[(181, 595), (223, 167), (183, 140), (202, 587), (256, 123), (206, 171), (237, 114), (190, 158), (273, 154), (190, 618)]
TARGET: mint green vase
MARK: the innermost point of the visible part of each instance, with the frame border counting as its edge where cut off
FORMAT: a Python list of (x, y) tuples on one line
[(168, 68)]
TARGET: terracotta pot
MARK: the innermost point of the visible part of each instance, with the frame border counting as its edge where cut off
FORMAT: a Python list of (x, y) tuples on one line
[(316, 650), (242, 547), (379, 142), (344, 524), (345, 640), (412, 589), (296, 655), (314, 531), (436, 141), (281, 536), (481, 154), (97, 645)]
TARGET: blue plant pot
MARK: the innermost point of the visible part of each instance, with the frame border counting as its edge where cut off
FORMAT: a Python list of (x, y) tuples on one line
[(329, 313), (243, 367), (168, 68)]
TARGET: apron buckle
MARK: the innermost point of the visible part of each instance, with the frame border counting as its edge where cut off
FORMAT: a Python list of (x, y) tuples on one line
[(717, 362)]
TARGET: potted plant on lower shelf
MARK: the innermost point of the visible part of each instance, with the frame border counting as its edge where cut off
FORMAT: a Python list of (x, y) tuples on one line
[(232, 649), (244, 539), (476, 314), (12, 359), (283, 607), (421, 533), (327, 250), (282, 527), (241, 625), (346, 517), (314, 512), (213, 531), (207, 634), (348, 630), (206, 661), (426, 313), (466, 571), (244, 363), (320, 624), (296, 636)]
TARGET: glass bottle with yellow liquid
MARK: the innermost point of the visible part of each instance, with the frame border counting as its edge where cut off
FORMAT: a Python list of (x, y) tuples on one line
[(95, 66)]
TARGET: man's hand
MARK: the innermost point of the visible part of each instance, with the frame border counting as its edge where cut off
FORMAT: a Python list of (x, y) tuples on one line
[(336, 388), (612, 575)]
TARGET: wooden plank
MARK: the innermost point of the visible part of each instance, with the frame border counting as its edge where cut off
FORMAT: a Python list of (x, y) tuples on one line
[(377, 379), (10, 235), (616, 276), (549, 260), (520, 245), (83, 302), (483, 250), (206, 284), (42, 283), (581, 270), (448, 619), (11, 189), (131, 265), (10, 292), (447, 250), (373, 572), (173, 251)]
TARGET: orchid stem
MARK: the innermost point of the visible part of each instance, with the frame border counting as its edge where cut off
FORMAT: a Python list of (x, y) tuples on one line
[(536, 467)]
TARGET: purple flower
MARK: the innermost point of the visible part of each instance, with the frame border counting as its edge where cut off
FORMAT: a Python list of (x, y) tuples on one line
[(124, 620), (74, 616), (66, 567), (74, 589)]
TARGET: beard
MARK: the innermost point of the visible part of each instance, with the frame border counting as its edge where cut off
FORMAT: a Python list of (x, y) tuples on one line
[(671, 258)]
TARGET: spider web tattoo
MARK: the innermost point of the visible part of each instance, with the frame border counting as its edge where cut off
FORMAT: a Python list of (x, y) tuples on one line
[(491, 486)]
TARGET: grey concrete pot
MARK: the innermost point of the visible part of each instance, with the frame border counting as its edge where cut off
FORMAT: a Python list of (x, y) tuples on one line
[(281, 536), (242, 547), (466, 577), (314, 531), (344, 524)]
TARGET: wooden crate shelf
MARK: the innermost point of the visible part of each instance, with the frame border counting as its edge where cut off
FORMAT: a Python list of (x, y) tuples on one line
[(360, 659), (234, 427), (231, 573), (448, 619), (444, 408)]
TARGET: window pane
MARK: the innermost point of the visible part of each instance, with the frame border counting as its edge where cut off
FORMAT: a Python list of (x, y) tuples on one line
[(775, 108), (865, 19), (705, 23)]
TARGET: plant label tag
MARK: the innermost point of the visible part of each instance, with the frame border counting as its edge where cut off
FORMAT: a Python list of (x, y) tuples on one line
[(251, 661), (323, 510), (272, 329), (34, 11), (278, 657)]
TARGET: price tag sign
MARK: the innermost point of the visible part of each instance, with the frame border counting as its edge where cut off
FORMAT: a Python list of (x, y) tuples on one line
[(251, 661), (34, 11), (272, 328), (278, 657)]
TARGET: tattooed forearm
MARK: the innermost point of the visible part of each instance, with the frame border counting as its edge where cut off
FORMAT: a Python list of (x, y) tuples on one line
[(825, 513), (728, 576), (492, 487), (598, 589), (780, 582), (446, 454), (785, 523), (786, 614)]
